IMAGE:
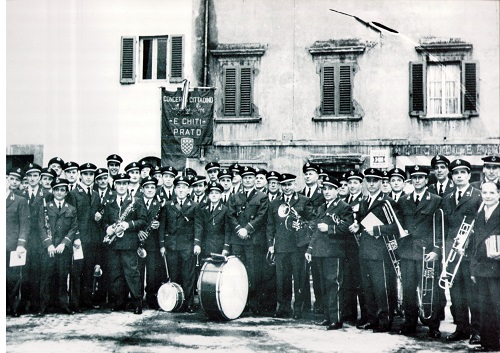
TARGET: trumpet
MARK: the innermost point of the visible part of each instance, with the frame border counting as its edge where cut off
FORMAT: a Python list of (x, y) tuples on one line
[(284, 211), (450, 266)]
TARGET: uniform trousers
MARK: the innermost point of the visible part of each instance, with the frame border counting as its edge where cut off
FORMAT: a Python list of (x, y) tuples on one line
[(331, 270), (352, 289), (268, 297), (152, 272), (124, 277), (181, 267), (288, 265), (488, 290), (411, 274), (54, 280), (82, 276), (463, 297), (14, 278), (253, 259), (33, 273), (378, 280)]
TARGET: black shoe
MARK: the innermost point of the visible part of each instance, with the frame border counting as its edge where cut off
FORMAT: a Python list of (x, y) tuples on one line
[(335, 326), (297, 316), (189, 309), (67, 311), (434, 333), (457, 336), (475, 339), (15, 314), (324, 323), (367, 326), (138, 310), (485, 349), (41, 313), (282, 314), (382, 328), (407, 330)]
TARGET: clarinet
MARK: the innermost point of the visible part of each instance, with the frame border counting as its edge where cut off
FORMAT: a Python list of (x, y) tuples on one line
[(140, 250), (109, 239), (47, 224)]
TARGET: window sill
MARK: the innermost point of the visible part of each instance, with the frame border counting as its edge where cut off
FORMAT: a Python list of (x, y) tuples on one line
[(237, 120), (454, 117), (336, 118)]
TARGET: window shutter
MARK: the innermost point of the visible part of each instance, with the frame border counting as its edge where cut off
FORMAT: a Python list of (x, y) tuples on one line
[(246, 91), (230, 91), (176, 55), (345, 89), (470, 86), (328, 90), (417, 88), (127, 60)]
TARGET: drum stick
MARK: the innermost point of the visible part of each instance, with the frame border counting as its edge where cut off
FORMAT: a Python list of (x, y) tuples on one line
[(220, 256), (166, 266)]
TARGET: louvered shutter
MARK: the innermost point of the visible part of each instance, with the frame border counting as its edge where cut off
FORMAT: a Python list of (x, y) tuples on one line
[(417, 88), (176, 56), (470, 92), (328, 90), (345, 90), (245, 91), (230, 91), (127, 60)]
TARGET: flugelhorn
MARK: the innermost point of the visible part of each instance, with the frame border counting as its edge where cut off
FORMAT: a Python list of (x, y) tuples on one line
[(450, 266), (286, 211)]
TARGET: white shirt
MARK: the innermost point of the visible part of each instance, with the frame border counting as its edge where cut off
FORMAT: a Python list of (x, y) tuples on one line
[(489, 210)]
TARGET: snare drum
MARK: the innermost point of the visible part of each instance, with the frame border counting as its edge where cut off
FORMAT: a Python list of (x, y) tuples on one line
[(170, 296), (223, 288)]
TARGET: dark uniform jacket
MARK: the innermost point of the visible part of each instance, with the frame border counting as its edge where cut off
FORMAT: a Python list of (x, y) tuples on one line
[(63, 224), (163, 193), (86, 208), (136, 219), (418, 221), (479, 184), (34, 207), (373, 247), (177, 225), (152, 243), (481, 265), (351, 244), (249, 213), (339, 217), (450, 186), (211, 230), (203, 202), (283, 239), (17, 221), (454, 214), (317, 197)]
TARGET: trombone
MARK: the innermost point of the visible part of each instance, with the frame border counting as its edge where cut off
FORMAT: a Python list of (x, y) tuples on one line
[(450, 266)]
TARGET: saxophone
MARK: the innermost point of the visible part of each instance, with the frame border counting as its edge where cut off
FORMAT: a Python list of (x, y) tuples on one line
[(108, 239), (140, 250), (47, 224)]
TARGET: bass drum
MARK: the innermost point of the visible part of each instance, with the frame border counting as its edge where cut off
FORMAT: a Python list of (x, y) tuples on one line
[(170, 296), (223, 288)]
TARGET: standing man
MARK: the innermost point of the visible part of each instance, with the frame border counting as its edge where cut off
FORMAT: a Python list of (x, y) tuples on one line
[(17, 232), (287, 225), (236, 170), (71, 173), (397, 179), (247, 218), (145, 169), (343, 190), (327, 248), (212, 170), (491, 171), (57, 165), (261, 180), (132, 169), (114, 162), (14, 176), (460, 207), (177, 239), (167, 190), (199, 186), (47, 176), (273, 185), (417, 210), (444, 185), (122, 219), (225, 180)]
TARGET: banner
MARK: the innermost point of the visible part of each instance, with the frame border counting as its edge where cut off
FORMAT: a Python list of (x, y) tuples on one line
[(183, 132)]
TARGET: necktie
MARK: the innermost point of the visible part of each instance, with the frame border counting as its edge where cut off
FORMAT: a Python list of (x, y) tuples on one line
[(148, 202), (131, 191), (102, 197), (212, 209), (59, 205), (459, 196), (417, 200), (441, 190), (308, 192), (181, 202), (89, 192), (369, 201), (120, 201), (32, 196), (224, 198)]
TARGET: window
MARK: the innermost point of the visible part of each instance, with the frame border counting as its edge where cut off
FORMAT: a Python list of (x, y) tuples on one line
[(160, 58), (238, 91), (443, 90), (336, 89)]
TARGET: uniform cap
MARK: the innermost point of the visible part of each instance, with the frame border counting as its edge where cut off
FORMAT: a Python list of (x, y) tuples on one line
[(149, 180), (32, 167), (212, 165), (439, 159), (459, 163), (59, 182), (156, 170), (418, 170), (354, 174), (224, 173), (491, 160), (310, 166), (198, 179), (331, 180), (397, 172), (56, 160), (260, 171), (145, 164), (115, 158), (87, 167), (132, 166), (101, 172), (48, 172), (169, 170), (235, 168), (182, 180), (189, 172), (374, 173), (18, 172), (247, 171), (121, 177), (215, 186), (272, 175), (286, 177), (70, 166)]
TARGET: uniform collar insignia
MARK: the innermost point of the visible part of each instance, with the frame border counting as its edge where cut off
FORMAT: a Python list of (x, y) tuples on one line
[(51, 204)]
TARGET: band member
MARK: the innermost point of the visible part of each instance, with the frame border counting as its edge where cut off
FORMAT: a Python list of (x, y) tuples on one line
[(132, 169), (114, 162), (47, 176), (327, 249), (460, 207), (151, 266), (17, 232), (14, 176), (212, 170), (225, 179), (444, 185), (24, 183), (199, 186), (58, 227), (247, 218), (485, 266), (211, 228), (71, 174), (417, 210), (261, 180), (122, 219), (397, 179), (168, 175), (156, 172), (343, 190), (235, 170), (377, 271), (287, 222), (145, 169), (491, 171), (312, 191), (177, 239), (57, 165), (386, 185), (273, 185), (86, 202), (352, 287)]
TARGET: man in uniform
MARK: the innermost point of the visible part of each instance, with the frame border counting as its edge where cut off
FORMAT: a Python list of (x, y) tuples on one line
[(114, 162), (491, 171), (286, 228), (225, 179), (273, 185), (14, 176), (247, 218), (168, 175), (343, 190), (460, 207), (235, 170), (212, 170), (71, 173), (397, 180), (132, 169), (156, 172), (417, 210), (199, 186), (145, 169), (444, 185), (17, 232), (57, 165), (261, 180), (327, 249), (386, 185), (46, 177)]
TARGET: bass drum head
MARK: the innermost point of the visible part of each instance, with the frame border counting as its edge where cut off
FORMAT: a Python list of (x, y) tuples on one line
[(233, 288), (170, 297)]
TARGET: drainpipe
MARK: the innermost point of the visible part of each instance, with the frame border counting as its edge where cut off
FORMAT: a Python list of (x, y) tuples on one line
[(205, 47)]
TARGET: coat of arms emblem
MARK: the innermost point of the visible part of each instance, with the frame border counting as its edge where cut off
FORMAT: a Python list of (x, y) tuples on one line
[(187, 145)]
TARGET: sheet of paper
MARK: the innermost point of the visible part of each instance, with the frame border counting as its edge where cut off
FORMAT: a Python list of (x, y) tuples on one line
[(16, 260), (371, 221), (78, 253)]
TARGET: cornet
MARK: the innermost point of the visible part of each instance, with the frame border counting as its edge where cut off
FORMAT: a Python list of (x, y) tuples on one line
[(284, 212)]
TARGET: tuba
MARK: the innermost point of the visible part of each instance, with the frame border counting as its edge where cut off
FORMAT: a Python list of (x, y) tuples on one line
[(287, 212), (450, 266)]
